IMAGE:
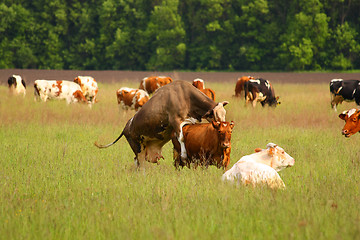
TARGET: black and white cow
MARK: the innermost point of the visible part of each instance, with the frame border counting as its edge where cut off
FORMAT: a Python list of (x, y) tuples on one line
[(344, 90), (260, 90), (17, 85)]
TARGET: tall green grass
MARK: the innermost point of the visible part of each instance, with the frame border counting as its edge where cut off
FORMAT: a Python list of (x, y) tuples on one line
[(56, 185)]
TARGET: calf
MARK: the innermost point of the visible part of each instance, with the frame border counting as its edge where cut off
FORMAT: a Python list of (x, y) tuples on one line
[(151, 84), (352, 122), (89, 87), (52, 89), (261, 167), (260, 90), (131, 98), (344, 90), (239, 88), (205, 144), (199, 84), (17, 85)]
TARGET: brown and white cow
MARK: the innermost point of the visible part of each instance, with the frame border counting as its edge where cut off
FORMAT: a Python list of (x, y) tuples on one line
[(199, 84), (131, 98), (151, 84), (206, 144), (260, 90), (352, 122), (17, 85), (89, 87), (154, 124), (45, 90), (239, 88), (261, 167)]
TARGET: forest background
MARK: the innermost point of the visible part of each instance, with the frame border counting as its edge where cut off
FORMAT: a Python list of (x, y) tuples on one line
[(199, 35)]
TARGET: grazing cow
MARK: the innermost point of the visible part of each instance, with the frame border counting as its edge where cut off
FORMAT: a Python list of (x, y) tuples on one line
[(261, 167), (153, 125), (260, 90), (352, 122), (51, 89), (205, 144), (344, 90), (199, 84), (151, 84), (131, 98), (17, 85), (239, 88), (89, 87)]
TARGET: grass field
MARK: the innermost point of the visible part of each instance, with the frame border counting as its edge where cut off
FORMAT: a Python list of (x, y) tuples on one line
[(56, 185)]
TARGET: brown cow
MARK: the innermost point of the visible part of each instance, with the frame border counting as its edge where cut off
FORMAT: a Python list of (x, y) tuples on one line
[(151, 84), (352, 122), (205, 144), (239, 88), (153, 125), (131, 98), (199, 84)]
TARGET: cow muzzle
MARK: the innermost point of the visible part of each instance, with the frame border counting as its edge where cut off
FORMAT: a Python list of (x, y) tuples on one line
[(225, 145), (346, 133)]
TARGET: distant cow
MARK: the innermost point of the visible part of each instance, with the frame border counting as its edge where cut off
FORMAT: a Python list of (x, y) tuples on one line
[(239, 88), (206, 144), (89, 87), (151, 84), (51, 89), (153, 125), (131, 98), (17, 85), (261, 167), (199, 84), (352, 122), (260, 90), (344, 90)]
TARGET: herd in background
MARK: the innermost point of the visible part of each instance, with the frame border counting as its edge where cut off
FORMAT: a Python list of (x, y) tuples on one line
[(194, 143)]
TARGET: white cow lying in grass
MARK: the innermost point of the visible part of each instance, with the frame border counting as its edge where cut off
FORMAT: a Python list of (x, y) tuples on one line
[(261, 167)]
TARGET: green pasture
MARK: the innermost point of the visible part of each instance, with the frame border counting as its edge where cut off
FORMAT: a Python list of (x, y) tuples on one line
[(55, 184)]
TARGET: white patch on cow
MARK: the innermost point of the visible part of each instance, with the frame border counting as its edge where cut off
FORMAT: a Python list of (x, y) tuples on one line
[(198, 80), (255, 81), (261, 97), (143, 94), (225, 124), (126, 89), (267, 84), (350, 112), (336, 80), (339, 90), (353, 92), (158, 85)]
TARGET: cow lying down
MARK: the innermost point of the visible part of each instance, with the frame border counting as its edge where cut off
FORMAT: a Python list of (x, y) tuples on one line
[(154, 124), (261, 167), (206, 144)]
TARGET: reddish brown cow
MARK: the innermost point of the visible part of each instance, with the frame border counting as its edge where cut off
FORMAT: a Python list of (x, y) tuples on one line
[(199, 84), (239, 88), (205, 144), (151, 84), (352, 122)]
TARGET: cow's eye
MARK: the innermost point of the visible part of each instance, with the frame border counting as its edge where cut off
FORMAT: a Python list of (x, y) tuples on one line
[(355, 119)]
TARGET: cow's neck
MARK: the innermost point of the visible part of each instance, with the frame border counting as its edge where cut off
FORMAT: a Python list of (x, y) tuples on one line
[(200, 105)]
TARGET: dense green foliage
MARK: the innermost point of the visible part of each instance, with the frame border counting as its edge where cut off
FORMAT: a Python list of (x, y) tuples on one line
[(188, 34)]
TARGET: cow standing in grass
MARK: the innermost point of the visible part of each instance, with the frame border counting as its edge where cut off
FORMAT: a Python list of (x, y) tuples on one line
[(131, 98), (17, 85), (344, 90), (206, 144), (199, 84), (153, 125), (151, 84), (260, 90)]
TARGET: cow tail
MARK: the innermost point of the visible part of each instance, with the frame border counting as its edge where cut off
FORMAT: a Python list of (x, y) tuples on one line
[(108, 145)]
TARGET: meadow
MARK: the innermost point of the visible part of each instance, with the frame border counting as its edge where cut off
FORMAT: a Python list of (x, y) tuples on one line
[(55, 184)]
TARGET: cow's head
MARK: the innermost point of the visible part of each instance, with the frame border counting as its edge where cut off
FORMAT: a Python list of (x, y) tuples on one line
[(12, 81), (352, 123), (77, 80), (278, 158), (199, 83), (162, 81), (79, 96), (218, 113), (274, 101), (224, 132)]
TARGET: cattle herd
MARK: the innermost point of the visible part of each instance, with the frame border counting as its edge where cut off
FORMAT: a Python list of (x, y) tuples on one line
[(172, 110)]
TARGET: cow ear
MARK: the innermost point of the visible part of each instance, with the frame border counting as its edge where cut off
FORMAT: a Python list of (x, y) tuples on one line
[(209, 114), (343, 116), (232, 124), (216, 124), (258, 150), (224, 103)]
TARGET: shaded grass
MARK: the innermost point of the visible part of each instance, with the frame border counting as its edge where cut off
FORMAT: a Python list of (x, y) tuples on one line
[(56, 185)]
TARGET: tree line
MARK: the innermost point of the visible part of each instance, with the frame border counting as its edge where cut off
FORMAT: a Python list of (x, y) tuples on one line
[(230, 35)]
